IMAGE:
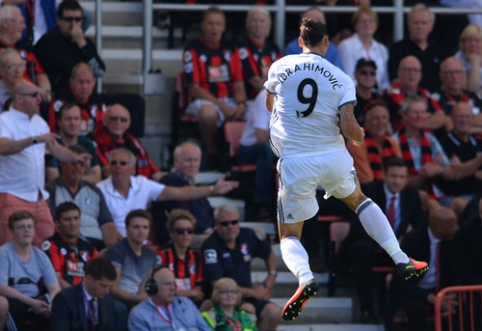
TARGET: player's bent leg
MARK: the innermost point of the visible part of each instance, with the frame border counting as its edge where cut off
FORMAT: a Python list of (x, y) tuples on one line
[(269, 317), (377, 226), (296, 259)]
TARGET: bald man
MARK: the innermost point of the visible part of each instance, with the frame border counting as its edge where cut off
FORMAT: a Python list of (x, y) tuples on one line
[(24, 138)]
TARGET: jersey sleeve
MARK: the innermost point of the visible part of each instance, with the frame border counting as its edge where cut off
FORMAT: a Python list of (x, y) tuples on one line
[(191, 66), (250, 67), (349, 93), (236, 67), (272, 82), (51, 249), (212, 268)]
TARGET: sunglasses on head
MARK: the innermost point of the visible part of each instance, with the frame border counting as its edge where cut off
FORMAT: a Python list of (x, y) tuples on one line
[(184, 230), (115, 162), (71, 19), (367, 72), (226, 223), (31, 94)]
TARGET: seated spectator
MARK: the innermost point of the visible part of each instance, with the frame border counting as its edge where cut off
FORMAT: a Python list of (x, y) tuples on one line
[(453, 91), (96, 224), (431, 243), (417, 43), (68, 252), (70, 45), (470, 53), (362, 44), (68, 121), (402, 206), (132, 260), (226, 299), (366, 80), (12, 70), (87, 305), (187, 162), (80, 91), (215, 82), (114, 134), (228, 252), (178, 314), (462, 146), (407, 83), (12, 25), (24, 267), (425, 158), (4, 313), (24, 139), (123, 191), (294, 48), (178, 254), (377, 145)]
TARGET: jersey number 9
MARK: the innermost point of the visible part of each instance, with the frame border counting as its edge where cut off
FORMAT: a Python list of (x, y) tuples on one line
[(311, 100)]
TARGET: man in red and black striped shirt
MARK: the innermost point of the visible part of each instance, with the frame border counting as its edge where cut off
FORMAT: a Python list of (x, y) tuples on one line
[(69, 253), (215, 81)]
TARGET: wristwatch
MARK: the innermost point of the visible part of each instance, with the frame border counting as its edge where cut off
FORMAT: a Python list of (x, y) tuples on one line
[(34, 140), (273, 272)]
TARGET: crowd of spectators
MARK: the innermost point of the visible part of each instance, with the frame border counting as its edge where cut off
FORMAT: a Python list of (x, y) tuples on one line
[(95, 236)]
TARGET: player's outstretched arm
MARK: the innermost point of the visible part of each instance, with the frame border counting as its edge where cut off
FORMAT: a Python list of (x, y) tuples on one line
[(349, 125)]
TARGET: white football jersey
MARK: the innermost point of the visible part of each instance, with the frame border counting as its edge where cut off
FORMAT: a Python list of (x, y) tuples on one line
[(309, 91)]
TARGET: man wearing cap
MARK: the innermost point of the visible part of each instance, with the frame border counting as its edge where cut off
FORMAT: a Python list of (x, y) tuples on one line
[(366, 77)]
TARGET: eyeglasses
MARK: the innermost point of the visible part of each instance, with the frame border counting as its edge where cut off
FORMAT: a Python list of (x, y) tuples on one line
[(31, 94), (13, 67), (184, 230), (115, 162), (25, 227), (228, 292), (367, 72), (71, 19), (226, 223), (453, 72), (415, 70), (118, 118)]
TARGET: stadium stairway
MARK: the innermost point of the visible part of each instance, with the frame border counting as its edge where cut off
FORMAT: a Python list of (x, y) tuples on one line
[(122, 53)]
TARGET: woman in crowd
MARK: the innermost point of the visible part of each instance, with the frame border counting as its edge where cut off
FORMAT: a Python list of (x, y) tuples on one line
[(362, 45), (470, 53), (225, 314)]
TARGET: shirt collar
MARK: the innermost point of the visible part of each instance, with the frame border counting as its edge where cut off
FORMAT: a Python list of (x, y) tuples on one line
[(20, 114), (389, 193), (433, 239), (88, 297)]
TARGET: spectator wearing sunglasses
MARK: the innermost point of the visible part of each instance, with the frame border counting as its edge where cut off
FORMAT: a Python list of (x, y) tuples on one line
[(124, 192), (64, 46), (114, 133), (24, 139), (184, 262), (228, 252), (366, 78)]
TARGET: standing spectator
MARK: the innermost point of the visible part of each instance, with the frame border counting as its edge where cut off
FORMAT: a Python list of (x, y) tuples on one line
[(114, 134), (161, 310), (132, 260), (69, 120), (293, 46), (24, 267), (362, 45), (124, 192), (24, 138), (420, 22), (184, 262), (215, 82), (366, 80), (80, 91), (12, 25), (87, 305), (70, 45), (470, 53), (69, 253), (402, 205), (228, 252), (96, 226)]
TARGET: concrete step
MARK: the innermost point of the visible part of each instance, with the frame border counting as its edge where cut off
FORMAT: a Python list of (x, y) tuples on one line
[(329, 327)]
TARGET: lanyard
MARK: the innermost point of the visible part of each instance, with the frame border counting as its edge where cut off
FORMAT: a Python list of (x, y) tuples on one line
[(236, 326), (167, 318)]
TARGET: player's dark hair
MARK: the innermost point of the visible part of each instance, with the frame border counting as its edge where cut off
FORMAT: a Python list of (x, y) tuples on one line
[(68, 5), (393, 162), (65, 207), (312, 32), (101, 268)]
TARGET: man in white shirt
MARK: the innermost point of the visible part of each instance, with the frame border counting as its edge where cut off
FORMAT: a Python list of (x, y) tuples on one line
[(24, 138), (124, 192)]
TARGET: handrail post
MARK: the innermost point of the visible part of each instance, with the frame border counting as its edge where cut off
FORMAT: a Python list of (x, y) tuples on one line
[(398, 21), (279, 30), (147, 38), (98, 36)]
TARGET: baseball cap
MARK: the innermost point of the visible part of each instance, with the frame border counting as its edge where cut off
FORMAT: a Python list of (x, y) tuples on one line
[(364, 62)]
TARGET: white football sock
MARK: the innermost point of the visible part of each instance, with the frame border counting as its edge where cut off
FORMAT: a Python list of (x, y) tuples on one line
[(296, 259), (377, 226)]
